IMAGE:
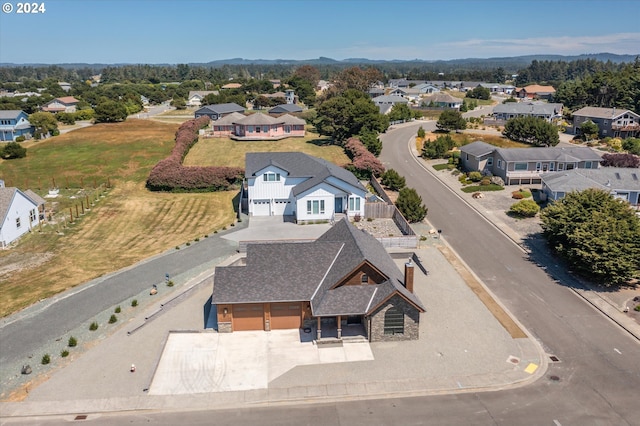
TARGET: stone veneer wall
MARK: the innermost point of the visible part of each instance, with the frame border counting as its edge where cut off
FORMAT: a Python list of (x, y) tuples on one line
[(411, 322), (224, 327)]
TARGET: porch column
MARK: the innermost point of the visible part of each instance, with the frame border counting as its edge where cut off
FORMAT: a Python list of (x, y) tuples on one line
[(339, 327), (319, 331)]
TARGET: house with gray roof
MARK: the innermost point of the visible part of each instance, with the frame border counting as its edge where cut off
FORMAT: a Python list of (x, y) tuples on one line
[(19, 213), (195, 97), (285, 109), (518, 166), (296, 184), (13, 124), (258, 127), (217, 111), (612, 122), (622, 183), (343, 278), (546, 111), (386, 102), (442, 100)]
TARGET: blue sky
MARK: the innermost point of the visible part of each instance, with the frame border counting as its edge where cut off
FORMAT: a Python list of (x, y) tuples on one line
[(181, 31)]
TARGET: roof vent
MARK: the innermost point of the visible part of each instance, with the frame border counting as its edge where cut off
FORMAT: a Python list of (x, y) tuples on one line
[(617, 175), (634, 176)]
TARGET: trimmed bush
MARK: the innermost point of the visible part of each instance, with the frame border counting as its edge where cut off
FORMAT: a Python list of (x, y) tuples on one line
[(517, 195), (170, 283), (475, 176), (170, 175), (363, 162), (525, 208), (73, 342), (113, 319), (476, 188), (134, 303), (64, 353), (93, 326), (46, 359), (117, 310), (485, 180)]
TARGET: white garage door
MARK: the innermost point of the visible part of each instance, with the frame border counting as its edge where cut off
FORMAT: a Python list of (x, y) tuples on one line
[(261, 207), (282, 207)]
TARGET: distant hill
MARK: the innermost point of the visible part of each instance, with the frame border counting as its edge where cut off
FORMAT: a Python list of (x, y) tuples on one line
[(511, 62)]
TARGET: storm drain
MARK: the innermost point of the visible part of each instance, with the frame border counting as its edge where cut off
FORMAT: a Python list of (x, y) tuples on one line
[(81, 417), (554, 358)]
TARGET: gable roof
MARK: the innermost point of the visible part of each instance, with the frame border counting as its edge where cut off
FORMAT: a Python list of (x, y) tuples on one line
[(536, 88), (477, 148), (389, 99), (66, 100), (285, 108), (10, 114), (7, 196), (229, 119), (528, 108), (605, 178), (280, 272), (442, 98), (201, 93), (562, 154), (598, 112), (38, 200), (299, 165), (222, 108), (258, 119)]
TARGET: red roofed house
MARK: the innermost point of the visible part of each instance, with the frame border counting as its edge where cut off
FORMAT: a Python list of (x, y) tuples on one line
[(65, 104), (535, 91), (258, 127)]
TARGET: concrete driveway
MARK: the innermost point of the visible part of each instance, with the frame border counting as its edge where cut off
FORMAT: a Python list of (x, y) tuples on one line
[(218, 362), (271, 228)]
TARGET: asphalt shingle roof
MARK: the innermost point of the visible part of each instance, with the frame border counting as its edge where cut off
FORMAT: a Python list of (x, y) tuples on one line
[(528, 108), (223, 108), (280, 272), (10, 114), (478, 148), (563, 154), (606, 178), (285, 108), (597, 112)]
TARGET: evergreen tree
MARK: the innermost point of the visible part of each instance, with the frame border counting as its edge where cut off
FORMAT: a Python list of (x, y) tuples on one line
[(410, 205)]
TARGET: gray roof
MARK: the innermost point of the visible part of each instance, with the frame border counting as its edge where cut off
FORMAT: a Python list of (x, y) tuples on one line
[(478, 148), (281, 272), (229, 119), (562, 154), (221, 108), (298, 164), (292, 120), (6, 198), (258, 119), (532, 108), (605, 178), (285, 108), (10, 114), (597, 112), (38, 200), (442, 97), (389, 99), (202, 93)]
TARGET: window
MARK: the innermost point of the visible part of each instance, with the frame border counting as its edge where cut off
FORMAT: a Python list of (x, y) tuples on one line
[(571, 166), (271, 177), (538, 167), (364, 279), (552, 166), (32, 215), (499, 164), (520, 166), (249, 129), (17, 222), (490, 161), (354, 203), (587, 164), (265, 129), (287, 129), (393, 321), (257, 129), (560, 166), (315, 207)]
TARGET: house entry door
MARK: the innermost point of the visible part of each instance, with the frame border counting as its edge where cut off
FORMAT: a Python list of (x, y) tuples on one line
[(338, 208)]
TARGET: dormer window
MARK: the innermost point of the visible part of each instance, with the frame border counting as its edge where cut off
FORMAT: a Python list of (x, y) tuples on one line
[(271, 177), (364, 279)]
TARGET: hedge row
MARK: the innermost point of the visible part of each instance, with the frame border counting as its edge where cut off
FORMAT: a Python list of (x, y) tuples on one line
[(364, 163), (170, 175)]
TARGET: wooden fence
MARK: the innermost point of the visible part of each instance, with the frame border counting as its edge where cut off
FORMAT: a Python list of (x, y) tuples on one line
[(379, 210)]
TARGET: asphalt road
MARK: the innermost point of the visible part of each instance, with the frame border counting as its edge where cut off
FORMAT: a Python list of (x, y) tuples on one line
[(61, 314)]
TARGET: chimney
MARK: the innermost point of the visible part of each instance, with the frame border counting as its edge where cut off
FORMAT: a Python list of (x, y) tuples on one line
[(408, 275)]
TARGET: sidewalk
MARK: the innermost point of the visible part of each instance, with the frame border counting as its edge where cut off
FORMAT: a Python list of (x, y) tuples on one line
[(611, 304)]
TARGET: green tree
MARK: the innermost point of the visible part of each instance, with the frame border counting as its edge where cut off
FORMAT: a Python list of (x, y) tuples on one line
[(632, 145), (421, 132), (110, 112), (303, 88), (451, 120), (44, 123), (410, 205), (371, 141), (597, 234), (437, 148), (393, 180), (525, 208), (400, 112), (532, 130), (179, 103), (479, 92), (309, 74), (589, 130), (12, 150), (349, 114)]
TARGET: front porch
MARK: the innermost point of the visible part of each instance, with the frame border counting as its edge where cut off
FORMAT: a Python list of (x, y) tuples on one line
[(339, 328)]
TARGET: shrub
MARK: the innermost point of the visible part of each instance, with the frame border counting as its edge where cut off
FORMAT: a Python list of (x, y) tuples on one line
[(12, 150), (476, 188), (485, 180), (475, 176), (73, 342), (393, 180), (113, 319), (93, 326), (517, 195), (357, 218), (188, 243), (46, 359), (620, 160), (21, 138), (363, 162), (177, 247), (64, 353), (525, 208), (197, 239), (170, 283), (134, 302), (410, 205), (637, 308)]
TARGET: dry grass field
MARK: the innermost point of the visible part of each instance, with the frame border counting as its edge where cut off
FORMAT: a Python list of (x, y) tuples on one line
[(469, 136), (126, 224)]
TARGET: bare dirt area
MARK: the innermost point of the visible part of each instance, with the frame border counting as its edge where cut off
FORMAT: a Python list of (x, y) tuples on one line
[(379, 227)]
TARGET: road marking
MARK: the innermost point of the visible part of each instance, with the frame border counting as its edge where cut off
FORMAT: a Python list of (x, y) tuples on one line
[(557, 423), (531, 368), (616, 349)]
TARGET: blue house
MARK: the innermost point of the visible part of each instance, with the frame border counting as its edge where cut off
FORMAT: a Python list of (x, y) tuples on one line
[(14, 123)]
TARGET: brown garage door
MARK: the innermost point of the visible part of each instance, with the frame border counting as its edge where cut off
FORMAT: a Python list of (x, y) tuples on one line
[(285, 316), (248, 317)]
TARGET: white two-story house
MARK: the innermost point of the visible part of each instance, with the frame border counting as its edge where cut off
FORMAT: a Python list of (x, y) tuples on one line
[(19, 213), (296, 184)]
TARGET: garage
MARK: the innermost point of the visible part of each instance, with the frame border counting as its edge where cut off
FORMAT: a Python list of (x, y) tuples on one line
[(261, 208), (286, 316), (248, 317), (282, 207)]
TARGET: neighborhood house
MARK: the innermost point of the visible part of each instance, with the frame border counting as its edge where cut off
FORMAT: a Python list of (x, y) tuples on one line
[(612, 122), (19, 213), (65, 104), (547, 111), (343, 279), (296, 184), (525, 165), (13, 124), (258, 127), (217, 111)]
